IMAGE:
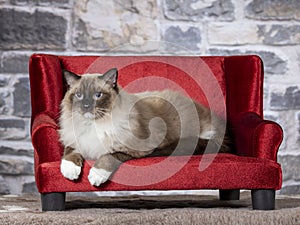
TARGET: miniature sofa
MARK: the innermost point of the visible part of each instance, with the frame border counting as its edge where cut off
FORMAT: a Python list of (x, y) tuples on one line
[(232, 86)]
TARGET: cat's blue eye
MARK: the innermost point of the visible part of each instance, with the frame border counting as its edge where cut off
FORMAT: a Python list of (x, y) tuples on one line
[(79, 95), (97, 95)]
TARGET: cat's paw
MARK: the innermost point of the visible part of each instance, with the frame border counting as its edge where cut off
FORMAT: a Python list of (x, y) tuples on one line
[(69, 169), (98, 176)]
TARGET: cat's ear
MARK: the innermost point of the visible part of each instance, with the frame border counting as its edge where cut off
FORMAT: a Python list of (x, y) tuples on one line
[(111, 77), (70, 77)]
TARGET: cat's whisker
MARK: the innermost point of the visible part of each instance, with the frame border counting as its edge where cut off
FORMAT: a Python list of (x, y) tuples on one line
[(102, 112), (104, 109)]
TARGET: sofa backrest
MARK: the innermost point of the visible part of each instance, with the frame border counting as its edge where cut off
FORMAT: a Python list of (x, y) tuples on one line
[(228, 85)]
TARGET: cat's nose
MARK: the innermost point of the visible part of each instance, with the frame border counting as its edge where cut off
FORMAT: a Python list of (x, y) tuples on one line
[(86, 107)]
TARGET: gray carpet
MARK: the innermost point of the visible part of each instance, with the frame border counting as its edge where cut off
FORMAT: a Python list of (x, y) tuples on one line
[(193, 209)]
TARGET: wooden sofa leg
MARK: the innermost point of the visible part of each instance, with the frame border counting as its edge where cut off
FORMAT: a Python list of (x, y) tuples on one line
[(54, 201), (227, 195), (263, 199)]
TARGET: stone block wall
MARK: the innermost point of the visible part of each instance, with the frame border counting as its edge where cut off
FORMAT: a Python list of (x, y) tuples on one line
[(268, 28)]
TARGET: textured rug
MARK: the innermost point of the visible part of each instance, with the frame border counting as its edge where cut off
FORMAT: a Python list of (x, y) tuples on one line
[(182, 209)]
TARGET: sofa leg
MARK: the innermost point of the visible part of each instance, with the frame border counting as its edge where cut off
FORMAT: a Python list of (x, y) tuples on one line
[(227, 195), (263, 199), (53, 201)]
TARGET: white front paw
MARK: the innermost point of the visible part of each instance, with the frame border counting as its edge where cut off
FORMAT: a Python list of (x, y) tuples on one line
[(69, 169), (98, 176)]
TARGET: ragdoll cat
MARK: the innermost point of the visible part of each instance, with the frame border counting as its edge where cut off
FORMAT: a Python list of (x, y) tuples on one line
[(102, 122)]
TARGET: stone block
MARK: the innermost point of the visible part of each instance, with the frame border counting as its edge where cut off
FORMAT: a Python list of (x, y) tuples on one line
[(279, 34), (224, 52), (14, 63), (290, 189), (4, 81), (146, 8), (19, 2), (183, 39), (198, 10), (290, 167), (29, 188), (18, 148), (21, 98), (16, 182), (4, 189), (273, 63), (14, 166), (12, 129), (273, 9), (237, 33), (12, 123), (37, 30), (55, 3), (4, 102), (133, 25), (82, 40), (285, 98), (298, 126)]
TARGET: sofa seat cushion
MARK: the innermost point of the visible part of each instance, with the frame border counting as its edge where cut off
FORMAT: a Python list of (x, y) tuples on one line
[(210, 171)]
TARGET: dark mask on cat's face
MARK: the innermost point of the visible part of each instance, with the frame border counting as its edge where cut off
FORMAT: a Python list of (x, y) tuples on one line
[(92, 95)]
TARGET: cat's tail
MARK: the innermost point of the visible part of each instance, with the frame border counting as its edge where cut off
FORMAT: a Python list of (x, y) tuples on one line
[(203, 146), (217, 143)]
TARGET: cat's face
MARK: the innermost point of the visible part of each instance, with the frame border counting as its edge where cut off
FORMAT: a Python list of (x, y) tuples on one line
[(91, 95)]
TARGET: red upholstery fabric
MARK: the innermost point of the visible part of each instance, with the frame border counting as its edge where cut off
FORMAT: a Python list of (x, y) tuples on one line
[(257, 137), (226, 172), (244, 81), (45, 85), (231, 86), (45, 139)]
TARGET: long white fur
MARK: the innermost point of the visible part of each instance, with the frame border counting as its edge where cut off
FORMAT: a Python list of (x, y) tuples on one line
[(85, 137)]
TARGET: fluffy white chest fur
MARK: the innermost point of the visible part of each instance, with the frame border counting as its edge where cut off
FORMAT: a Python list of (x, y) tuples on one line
[(87, 137)]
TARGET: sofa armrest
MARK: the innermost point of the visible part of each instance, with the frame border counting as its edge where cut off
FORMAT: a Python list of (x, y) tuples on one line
[(46, 84), (45, 139), (256, 137)]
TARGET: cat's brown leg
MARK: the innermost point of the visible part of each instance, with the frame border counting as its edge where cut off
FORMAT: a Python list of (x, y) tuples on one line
[(71, 164), (105, 166), (72, 156)]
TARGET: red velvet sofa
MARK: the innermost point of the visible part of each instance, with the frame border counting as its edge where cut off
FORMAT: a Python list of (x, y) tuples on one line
[(237, 79)]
